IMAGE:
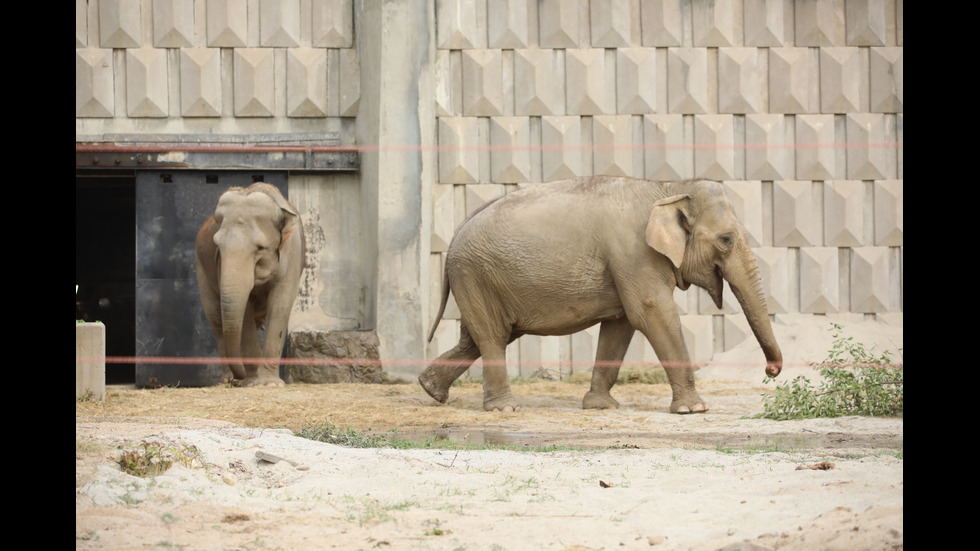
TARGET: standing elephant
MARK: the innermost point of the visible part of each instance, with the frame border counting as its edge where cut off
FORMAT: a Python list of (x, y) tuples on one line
[(553, 259), (250, 256)]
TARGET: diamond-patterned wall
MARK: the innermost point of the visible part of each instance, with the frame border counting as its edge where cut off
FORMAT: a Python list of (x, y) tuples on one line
[(796, 105)]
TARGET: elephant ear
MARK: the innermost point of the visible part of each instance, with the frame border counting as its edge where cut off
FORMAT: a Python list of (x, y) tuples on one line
[(290, 216), (668, 227)]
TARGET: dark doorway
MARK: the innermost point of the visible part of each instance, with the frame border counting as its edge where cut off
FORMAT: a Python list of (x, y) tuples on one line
[(105, 261)]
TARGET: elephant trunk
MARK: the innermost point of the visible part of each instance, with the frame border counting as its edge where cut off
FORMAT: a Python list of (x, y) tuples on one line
[(746, 284), (235, 288)]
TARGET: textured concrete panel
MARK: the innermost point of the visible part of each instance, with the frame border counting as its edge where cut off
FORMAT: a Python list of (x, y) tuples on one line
[(613, 153), (350, 83), (443, 219), (819, 280), (866, 22), (540, 357), (482, 83), (612, 24), (636, 81), (774, 268), (889, 213), (716, 24), (699, 336), (841, 79), (843, 212), (507, 24), (333, 23), (540, 74), (461, 24), (886, 76), (714, 152), (870, 280), (306, 82), (871, 143), (200, 82), (667, 151), (459, 161), (173, 23), (279, 23), (742, 86), (559, 24), (561, 154), (736, 330), (254, 79), (705, 305), (477, 195), (94, 91), (687, 80), (510, 154), (443, 83), (81, 23), (789, 80), (765, 22), (147, 92), (120, 23), (227, 23), (819, 23), (746, 200), (768, 153), (795, 216), (662, 22), (590, 82), (815, 140)]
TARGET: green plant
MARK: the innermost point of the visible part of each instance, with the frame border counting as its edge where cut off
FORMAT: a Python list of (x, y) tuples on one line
[(346, 436), (856, 381), (153, 458)]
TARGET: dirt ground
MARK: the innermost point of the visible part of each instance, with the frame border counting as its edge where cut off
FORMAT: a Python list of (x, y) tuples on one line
[(633, 478)]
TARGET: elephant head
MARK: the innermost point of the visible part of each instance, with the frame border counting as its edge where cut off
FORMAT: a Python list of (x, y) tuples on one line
[(700, 234)]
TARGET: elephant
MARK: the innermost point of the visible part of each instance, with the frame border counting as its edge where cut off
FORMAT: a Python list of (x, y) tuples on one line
[(250, 256), (559, 257)]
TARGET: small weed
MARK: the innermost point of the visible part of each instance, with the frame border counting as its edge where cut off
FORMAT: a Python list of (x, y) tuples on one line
[(346, 436), (154, 458), (856, 381), (88, 396)]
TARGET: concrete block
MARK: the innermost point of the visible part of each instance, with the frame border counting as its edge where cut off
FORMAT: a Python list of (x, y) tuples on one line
[(706, 306), (889, 215), (443, 218), (790, 72), (877, 159), (94, 89), (663, 157), (886, 80), (561, 155), (716, 24), (662, 22), (254, 81), (865, 21), (349, 95), (844, 213), (736, 331), (459, 161), (717, 162), (510, 154), (612, 24), (333, 24), (173, 24), (699, 337), (746, 199), (559, 24), (590, 81), (477, 195), (819, 280), (815, 161), (795, 214), (687, 81), (120, 24), (742, 80), (508, 24), (636, 81), (200, 82), (357, 355), (819, 23), (540, 357), (227, 23), (776, 270), (842, 79), (541, 74), (306, 82), (146, 82), (869, 278), (768, 155), (90, 360), (765, 23), (461, 24), (582, 352), (81, 23), (482, 77), (612, 155)]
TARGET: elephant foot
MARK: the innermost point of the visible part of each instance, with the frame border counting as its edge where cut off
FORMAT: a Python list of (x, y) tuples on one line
[(504, 403), (263, 381), (695, 405), (434, 388), (599, 400)]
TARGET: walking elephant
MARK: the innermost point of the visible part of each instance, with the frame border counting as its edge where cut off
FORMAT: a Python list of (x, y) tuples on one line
[(250, 257), (556, 258)]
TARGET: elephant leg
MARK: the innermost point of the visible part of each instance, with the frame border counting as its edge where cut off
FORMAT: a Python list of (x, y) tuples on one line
[(496, 383), (614, 340), (265, 369), (448, 367)]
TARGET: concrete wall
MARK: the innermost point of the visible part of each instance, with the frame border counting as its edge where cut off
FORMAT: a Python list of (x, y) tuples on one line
[(796, 105)]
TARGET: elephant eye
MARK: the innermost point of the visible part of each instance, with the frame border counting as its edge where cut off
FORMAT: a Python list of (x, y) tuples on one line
[(725, 241)]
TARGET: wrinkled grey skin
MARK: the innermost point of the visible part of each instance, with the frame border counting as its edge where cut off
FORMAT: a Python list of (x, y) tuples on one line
[(250, 257), (553, 259)]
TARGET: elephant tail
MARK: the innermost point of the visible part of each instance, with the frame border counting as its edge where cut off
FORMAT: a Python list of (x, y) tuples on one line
[(442, 306)]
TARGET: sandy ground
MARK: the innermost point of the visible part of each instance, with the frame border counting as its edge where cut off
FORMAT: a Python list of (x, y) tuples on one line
[(633, 478)]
